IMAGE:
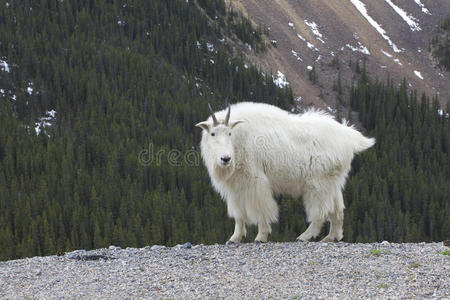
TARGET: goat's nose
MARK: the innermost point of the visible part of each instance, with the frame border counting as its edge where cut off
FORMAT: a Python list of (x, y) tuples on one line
[(225, 159)]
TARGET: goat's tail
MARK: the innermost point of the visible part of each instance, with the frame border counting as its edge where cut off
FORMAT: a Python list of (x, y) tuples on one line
[(364, 143), (361, 142)]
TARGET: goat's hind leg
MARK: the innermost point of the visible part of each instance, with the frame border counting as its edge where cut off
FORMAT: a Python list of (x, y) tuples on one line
[(336, 220), (313, 202), (312, 231)]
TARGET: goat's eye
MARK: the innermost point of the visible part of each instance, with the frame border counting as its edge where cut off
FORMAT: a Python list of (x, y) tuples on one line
[(213, 134), (229, 134)]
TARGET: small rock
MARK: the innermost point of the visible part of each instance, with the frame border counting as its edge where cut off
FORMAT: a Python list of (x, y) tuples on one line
[(385, 243), (75, 254), (186, 245), (446, 243), (157, 247), (112, 247)]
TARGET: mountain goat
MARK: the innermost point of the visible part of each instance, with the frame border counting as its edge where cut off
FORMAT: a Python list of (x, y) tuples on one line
[(262, 151)]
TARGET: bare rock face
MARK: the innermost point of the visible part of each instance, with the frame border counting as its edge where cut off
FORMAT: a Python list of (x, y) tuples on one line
[(390, 38)]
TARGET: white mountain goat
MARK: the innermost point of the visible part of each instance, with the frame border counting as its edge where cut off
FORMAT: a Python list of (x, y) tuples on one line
[(262, 151)]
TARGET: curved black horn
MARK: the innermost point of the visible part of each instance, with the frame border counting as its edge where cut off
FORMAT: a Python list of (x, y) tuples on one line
[(227, 118), (213, 115)]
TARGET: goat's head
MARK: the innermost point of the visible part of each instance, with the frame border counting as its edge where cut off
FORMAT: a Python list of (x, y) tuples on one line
[(217, 141)]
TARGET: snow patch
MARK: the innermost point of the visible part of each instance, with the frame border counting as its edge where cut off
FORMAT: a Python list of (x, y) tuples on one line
[(245, 66), (51, 113), (363, 49), (301, 37), (361, 7), (30, 88), (385, 53), (398, 61), (311, 46), (280, 81), (291, 24), (44, 121), (424, 9), (210, 47), (296, 55), (410, 20), (417, 73), (199, 45), (309, 68), (315, 30), (4, 66)]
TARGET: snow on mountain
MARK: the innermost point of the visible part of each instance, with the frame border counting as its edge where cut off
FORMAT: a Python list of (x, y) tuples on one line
[(417, 73), (315, 30), (385, 53), (4, 66), (410, 20), (280, 80), (361, 48), (296, 55), (361, 7), (424, 9), (390, 38), (45, 122)]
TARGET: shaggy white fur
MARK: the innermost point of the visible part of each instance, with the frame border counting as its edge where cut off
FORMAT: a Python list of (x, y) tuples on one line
[(264, 151)]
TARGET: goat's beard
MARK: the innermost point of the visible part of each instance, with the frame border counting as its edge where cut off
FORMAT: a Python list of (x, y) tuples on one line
[(224, 172)]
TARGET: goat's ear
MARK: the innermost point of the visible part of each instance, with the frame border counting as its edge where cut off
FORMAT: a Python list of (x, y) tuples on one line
[(205, 125), (235, 122)]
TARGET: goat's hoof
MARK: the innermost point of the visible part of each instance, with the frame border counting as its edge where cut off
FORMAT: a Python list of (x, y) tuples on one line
[(230, 242), (302, 240), (328, 239), (260, 241)]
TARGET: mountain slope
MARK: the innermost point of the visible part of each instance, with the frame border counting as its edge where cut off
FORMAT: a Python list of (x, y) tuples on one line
[(390, 37)]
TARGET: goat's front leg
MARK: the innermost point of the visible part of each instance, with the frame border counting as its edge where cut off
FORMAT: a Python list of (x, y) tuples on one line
[(264, 229), (239, 231)]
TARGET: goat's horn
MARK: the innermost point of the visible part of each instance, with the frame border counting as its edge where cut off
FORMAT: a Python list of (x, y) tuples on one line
[(213, 115), (227, 118)]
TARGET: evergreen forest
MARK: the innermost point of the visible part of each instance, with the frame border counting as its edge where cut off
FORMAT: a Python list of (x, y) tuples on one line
[(98, 102)]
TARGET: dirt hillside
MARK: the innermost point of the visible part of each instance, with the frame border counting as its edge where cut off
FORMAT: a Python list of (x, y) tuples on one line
[(390, 37)]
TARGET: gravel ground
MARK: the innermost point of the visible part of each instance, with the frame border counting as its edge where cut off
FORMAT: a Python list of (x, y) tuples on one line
[(272, 270)]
